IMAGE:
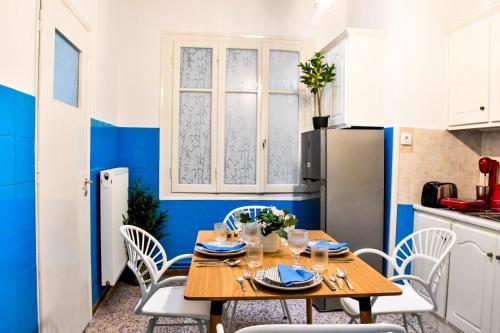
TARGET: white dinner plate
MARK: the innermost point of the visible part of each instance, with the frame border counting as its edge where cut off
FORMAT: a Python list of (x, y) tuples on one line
[(331, 253), (272, 274), (262, 280), (207, 252)]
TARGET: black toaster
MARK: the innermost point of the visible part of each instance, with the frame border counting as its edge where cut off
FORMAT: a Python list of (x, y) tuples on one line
[(433, 192)]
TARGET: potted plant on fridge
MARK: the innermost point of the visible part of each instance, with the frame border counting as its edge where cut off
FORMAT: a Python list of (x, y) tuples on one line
[(143, 212), (316, 74)]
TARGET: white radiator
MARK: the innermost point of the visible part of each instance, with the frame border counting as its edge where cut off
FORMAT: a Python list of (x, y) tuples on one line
[(114, 204)]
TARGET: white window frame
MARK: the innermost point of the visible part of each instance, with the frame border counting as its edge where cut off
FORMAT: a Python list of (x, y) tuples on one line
[(169, 116), (238, 188)]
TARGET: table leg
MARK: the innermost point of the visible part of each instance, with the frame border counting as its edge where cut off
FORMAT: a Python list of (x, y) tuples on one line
[(215, 315), (365, 310), (309, 311)]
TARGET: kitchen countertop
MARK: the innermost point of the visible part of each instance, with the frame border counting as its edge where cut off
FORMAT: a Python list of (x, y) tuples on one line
[(454, 215)]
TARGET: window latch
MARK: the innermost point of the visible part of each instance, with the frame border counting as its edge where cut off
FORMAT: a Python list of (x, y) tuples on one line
[(264, 143)]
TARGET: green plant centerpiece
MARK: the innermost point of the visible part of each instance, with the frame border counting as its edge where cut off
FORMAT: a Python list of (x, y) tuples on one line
[(274, 223), (143, 212), (316, 74)]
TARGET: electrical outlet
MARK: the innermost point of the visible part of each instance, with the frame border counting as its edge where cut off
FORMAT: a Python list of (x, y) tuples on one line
[(406, 139)]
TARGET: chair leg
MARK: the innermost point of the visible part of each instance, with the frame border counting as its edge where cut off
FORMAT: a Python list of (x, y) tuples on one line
[(151, 325), (230, 319), (420, 322), (200, 326), (405, 323), (286, 311), (352, 321)]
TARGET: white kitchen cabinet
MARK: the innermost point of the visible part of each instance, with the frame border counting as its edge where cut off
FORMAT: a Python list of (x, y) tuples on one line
[(469, 52), (495, 324), (356, 96), (422, 268), (471, 280), (495, 70)]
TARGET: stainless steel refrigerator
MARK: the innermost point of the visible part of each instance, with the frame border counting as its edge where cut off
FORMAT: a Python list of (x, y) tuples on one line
[(346, 166)]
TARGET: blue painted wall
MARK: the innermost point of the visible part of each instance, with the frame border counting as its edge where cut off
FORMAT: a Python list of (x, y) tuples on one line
[(138, 149), (18, 278)]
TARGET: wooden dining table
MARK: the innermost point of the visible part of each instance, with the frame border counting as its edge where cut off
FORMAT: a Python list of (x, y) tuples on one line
[(218, 283)]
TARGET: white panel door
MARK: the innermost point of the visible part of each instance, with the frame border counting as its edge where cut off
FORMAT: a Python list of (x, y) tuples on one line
[(422, 268), (63, 171), (469, 74), (495, 69), (496, 291), (338, 100), (470, 286)]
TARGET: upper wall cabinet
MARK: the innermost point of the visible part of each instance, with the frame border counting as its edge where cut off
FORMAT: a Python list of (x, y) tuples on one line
[(355, 97), (474, 74)]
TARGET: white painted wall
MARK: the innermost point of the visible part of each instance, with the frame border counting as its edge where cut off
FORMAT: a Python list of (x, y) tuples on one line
[(141, 24), (18, 43), (103, 18), (416, 91)]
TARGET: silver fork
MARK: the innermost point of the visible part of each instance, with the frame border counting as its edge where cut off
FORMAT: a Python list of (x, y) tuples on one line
[(248, 277), (337, 281), (242, 283), (341, 273)]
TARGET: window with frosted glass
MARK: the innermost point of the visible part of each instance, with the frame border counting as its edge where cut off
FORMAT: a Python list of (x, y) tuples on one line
[(283, 118), (195, 114), (66, 70), (240, 132)]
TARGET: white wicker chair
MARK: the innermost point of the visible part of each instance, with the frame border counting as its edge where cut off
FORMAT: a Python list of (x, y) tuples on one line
[(359, 328), (148, 260), (229, 221), (434, 245)]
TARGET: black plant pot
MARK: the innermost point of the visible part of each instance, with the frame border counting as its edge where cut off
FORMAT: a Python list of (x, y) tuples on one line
[(129, 277), (320, 122)]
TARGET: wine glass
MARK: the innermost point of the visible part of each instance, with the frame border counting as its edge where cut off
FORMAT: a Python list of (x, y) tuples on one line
[(297, 243)]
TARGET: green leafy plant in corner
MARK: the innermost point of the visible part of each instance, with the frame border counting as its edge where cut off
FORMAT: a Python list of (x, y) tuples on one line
[(316, 74), (143, 210)]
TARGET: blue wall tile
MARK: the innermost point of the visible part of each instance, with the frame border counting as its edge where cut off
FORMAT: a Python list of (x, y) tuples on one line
[(18, 279), (7, 159)]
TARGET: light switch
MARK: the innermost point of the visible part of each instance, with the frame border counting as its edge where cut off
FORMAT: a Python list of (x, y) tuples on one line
[(406, 139)]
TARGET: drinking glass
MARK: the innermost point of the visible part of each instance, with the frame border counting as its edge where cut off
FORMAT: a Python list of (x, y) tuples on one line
[(297, 243), (255, 255), (251, 233), (319, 257), (220, 231)]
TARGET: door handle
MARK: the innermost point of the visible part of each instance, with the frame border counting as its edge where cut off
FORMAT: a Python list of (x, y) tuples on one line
[(86, 183)]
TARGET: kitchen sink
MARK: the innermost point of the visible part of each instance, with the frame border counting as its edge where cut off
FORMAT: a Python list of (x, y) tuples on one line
[(487, 215)]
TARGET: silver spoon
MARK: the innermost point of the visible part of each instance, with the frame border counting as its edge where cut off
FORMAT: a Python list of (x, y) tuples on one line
[(248, 277), (334, 279), (241, 282), (343, 275)]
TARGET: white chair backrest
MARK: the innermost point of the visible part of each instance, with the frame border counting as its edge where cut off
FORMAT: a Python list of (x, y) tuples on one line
[(252, 210), (146, 257), (356, 328), (432, 244)]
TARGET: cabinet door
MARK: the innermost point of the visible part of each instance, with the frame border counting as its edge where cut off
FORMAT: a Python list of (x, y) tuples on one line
[(470, 289), (338, 57), (495, 325), (495, 69), (422, 268), (468, 74)]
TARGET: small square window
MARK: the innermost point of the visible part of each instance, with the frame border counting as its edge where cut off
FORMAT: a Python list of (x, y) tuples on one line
[(66, 70)]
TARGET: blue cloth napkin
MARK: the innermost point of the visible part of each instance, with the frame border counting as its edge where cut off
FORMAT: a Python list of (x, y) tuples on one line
[(220, 248), (329, 245), (290, 276)]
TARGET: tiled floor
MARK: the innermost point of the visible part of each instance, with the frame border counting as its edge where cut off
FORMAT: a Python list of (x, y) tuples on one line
[(116, 314)]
